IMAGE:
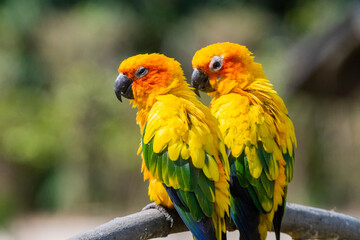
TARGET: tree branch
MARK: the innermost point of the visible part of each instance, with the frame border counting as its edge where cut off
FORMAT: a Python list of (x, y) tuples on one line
[(300, 222)]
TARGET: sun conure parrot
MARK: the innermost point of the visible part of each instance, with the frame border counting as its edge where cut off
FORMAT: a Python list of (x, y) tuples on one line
[(257, 131), (184, 156)]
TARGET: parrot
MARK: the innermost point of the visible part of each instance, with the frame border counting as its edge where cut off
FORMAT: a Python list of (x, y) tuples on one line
[(184, 156), (258, 134)]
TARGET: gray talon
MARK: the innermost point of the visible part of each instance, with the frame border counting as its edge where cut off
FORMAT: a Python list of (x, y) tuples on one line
[(151, 206), (160, 209)]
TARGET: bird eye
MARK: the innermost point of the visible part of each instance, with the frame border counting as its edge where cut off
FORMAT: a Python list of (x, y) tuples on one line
[(141, 72), (216, 63)]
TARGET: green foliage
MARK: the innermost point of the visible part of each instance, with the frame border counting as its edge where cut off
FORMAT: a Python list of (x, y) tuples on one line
[(59, 118)]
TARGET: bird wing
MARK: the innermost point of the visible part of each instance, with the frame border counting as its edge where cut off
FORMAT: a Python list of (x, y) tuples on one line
[(178, 150), (260, 165)]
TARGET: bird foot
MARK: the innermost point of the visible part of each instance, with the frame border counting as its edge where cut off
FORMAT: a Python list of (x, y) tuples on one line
[(160, 209)]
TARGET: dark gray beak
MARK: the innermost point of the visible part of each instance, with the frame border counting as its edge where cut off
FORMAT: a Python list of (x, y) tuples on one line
[(123, 87), (200, 81)]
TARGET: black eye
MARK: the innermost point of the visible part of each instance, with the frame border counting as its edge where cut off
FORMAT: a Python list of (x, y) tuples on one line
[(140, 72), (216, 63)]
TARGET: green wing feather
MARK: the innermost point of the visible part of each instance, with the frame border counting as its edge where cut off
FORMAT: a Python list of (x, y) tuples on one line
[(195, 191), (289, 167), (270, 164), (262, 140), (260, 189)]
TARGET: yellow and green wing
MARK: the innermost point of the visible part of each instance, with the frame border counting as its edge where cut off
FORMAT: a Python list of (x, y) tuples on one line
[(175, 144), (261, 163)]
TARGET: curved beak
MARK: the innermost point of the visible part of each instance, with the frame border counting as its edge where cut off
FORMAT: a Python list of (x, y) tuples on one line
[(200, 81), (123, 87)]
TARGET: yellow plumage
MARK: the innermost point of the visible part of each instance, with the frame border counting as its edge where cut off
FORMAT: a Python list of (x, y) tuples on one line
[(182, 149), (255, 125), (244, 123)]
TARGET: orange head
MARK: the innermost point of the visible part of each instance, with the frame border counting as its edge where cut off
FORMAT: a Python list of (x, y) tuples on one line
[(145, 76), (222, 68)]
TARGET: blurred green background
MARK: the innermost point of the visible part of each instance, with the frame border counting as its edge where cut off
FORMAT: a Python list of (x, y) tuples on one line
[(67, 145)]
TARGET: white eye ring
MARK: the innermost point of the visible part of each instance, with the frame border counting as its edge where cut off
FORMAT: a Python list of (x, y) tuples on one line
[(141, 72), (216, 63)]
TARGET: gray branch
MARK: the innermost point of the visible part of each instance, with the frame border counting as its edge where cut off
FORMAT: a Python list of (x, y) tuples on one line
[(300, 222)]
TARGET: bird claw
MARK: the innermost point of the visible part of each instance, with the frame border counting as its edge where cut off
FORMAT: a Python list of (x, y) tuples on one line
[(151, 206), (160, 209)]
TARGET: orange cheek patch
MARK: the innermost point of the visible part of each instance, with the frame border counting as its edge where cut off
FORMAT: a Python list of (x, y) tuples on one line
[(213, 78), (154, 81), (141, 87)]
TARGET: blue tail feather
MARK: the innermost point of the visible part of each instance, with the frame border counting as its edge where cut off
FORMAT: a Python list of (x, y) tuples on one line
[(244, 213), (203, 229)]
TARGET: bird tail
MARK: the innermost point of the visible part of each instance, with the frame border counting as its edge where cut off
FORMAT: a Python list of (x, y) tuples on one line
[(278, 219), (203, 229), (243, 211)]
